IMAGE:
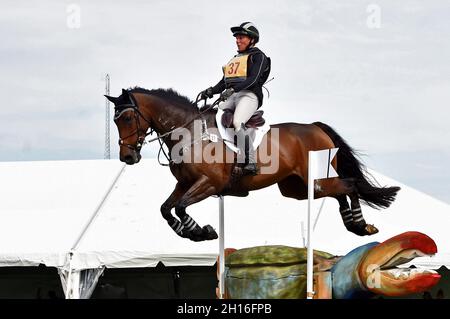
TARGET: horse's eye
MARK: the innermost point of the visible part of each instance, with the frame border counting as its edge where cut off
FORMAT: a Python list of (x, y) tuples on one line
[(127, 119)]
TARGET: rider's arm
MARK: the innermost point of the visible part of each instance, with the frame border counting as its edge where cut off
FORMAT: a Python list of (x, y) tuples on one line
[(256, 70), (219, 87)]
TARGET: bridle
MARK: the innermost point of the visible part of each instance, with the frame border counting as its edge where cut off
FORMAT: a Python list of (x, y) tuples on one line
[(122, 108), (119, 111)]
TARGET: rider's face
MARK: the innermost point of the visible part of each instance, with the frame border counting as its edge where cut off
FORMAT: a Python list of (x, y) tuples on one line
[(242, 41)]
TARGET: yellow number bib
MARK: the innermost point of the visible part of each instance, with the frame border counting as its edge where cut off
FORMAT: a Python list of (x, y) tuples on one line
[(236, 69)]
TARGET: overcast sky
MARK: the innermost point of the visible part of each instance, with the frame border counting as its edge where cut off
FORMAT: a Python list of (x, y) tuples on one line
[(376, 71)]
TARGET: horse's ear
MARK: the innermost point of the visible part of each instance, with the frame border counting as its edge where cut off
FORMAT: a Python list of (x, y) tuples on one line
[(112, 99), (127, 94)]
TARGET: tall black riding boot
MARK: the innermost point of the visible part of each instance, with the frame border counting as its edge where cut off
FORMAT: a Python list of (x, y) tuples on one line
[(246, 148)]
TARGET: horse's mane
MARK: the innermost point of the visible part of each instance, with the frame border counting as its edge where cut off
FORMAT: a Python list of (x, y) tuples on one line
[(170, 95)]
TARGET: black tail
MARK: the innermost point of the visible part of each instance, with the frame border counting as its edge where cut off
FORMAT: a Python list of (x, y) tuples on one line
[(350, 167)]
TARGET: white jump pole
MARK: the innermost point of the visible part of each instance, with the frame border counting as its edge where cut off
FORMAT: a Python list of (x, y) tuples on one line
[(309, 263), (221, 248), (319, 167)]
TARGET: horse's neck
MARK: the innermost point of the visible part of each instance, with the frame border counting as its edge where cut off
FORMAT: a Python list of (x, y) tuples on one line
[(175, 118), (168, 117), (165, 117)]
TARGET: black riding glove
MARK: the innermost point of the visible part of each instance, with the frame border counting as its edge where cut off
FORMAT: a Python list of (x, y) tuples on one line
[(226, 94), (208, 93)]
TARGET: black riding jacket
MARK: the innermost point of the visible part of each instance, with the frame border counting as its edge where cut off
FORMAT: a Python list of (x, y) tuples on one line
[(258, 69)]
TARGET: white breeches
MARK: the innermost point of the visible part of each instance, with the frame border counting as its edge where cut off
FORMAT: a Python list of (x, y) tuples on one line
[(244, 104)]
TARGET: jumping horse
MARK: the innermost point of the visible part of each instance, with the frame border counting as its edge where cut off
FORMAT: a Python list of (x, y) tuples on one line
[(139, 110)]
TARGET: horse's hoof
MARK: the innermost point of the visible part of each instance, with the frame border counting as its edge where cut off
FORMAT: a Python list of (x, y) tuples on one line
[(209, 233), (194, 236), (185, 234), (197, 231), (370, 230), (197, 238), (364, 229)]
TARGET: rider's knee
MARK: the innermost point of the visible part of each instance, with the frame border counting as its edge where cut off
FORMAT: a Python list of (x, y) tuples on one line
[(238, 125)]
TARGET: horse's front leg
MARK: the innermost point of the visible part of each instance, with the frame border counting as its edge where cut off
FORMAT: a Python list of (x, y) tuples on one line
[(200, 190), (166, 209)]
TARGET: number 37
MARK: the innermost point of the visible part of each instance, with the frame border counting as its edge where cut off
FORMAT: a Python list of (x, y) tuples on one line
[(233, 67)]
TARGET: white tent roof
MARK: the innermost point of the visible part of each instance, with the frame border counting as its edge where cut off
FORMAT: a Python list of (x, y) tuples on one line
[(46, 205)]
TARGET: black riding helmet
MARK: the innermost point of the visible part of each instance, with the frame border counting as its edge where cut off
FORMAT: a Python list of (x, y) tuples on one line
[(247, 28)]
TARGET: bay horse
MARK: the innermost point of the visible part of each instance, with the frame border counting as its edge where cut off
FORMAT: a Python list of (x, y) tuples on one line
[(138, 110)]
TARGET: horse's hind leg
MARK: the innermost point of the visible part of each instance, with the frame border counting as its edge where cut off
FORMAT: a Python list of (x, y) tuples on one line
[(351, 215), (346, 212), (360, 226)]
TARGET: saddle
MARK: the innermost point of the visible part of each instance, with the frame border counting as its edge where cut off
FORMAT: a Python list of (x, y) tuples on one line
[(255, 121)]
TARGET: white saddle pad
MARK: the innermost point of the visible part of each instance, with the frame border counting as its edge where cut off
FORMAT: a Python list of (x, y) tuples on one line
[(227, 134)]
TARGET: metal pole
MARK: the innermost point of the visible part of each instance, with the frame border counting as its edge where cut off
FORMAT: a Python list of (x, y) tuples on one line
[(309, 263), (221, 248), (107, 120), (98, 208), (69, 278), (318, 214)]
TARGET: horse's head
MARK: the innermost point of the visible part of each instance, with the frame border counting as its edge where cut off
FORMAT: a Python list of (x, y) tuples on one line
[(132, 126)]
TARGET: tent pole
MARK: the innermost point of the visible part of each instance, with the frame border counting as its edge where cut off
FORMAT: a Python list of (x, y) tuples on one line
[(98, 208), (69, 278), (69, 287)]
